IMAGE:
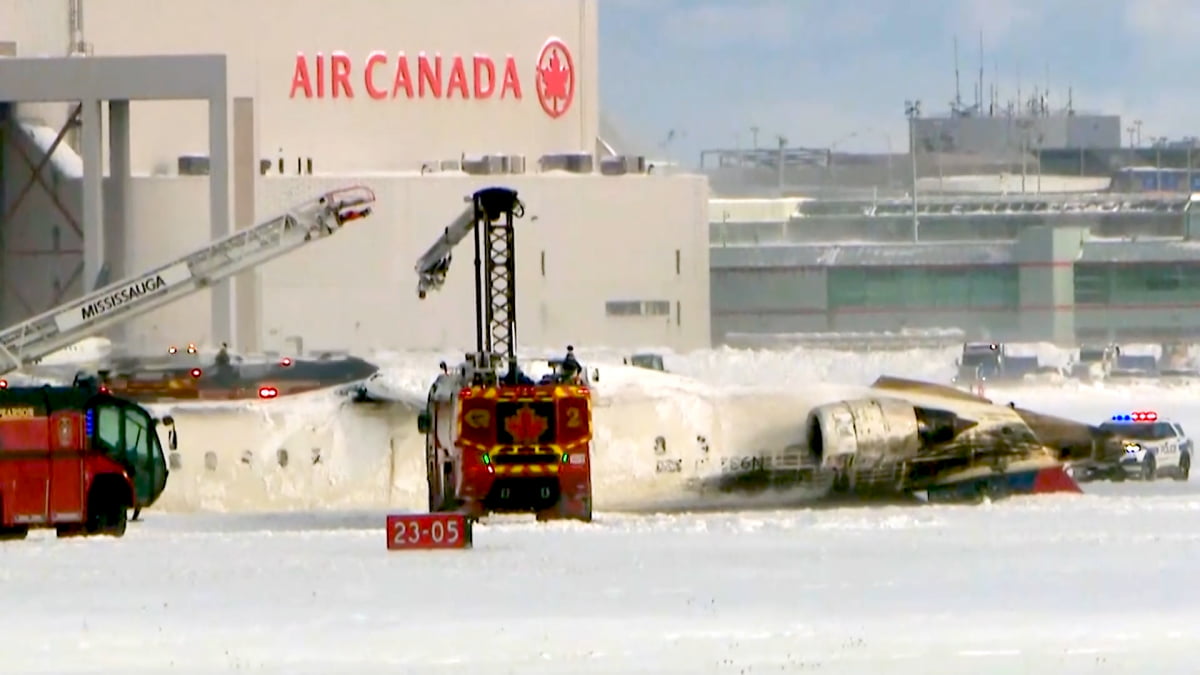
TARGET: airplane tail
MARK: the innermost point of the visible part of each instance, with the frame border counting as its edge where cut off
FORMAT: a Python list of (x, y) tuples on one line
[(1054, 479)]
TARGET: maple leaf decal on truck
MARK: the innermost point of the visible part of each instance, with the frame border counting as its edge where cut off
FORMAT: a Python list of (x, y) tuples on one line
[(555, 78), (526, 426)]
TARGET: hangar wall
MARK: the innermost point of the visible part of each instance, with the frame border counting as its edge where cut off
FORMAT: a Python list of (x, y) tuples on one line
[(424, 116), (586, 241), (373, 92)]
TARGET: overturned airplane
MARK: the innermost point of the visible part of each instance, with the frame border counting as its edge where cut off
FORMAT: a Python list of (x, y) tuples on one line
[(905, 439)]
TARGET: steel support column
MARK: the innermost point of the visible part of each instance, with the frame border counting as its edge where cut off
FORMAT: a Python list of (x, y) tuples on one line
[(223, 328), (119, 185), (93, 193), (245, 176), (4, 113)]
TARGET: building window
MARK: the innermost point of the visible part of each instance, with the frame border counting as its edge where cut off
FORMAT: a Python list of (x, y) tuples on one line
[(638, 308), (922, 288), (1093, 285), (657, 307), (1138, 284), (847, 287), (623, 308)]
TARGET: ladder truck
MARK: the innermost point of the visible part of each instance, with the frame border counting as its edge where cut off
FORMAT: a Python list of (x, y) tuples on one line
[(78, 458), (496, 441), (24, 344)]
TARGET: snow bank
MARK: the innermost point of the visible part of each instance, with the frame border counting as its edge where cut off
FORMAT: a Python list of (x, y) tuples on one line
[(64, 160)]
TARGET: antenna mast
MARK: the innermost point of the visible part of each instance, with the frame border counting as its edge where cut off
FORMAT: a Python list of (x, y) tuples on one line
[(979, 102), (1046, 92), (957, 108)]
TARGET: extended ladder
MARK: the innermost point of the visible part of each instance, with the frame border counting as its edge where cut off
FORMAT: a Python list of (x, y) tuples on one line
[(489, 215), (23, 344)]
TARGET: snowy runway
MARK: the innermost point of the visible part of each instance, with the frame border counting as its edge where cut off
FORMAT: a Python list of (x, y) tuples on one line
[(1093, 584), (1102, 583)]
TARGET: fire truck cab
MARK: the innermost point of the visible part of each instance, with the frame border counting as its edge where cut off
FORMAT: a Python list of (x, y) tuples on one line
[(76, 459), (499, 446)]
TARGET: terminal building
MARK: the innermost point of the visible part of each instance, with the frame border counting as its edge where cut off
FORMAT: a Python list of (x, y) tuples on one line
[(1059, 268), (136, 130), (1066, 238)]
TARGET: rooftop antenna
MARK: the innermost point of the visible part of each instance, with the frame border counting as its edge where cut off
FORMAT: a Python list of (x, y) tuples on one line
[(979, 99), (1046, 92), (1020, 101), (956, 107), (995, 83)]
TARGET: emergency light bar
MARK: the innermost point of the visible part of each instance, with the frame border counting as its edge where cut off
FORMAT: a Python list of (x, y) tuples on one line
[(1139, 416)]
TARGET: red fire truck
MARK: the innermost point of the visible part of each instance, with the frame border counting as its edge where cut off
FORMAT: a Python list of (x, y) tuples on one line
[(495, 439), (76, 459), (505, 448)]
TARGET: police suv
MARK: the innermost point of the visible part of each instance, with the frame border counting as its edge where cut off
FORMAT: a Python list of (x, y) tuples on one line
[(1143, 446)]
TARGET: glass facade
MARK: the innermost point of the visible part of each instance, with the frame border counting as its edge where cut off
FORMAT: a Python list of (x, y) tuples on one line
[(1164, 283), (984, 287)]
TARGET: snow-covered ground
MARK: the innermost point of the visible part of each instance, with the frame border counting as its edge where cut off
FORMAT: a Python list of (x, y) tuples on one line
[(1098, 583), (1055, 584)]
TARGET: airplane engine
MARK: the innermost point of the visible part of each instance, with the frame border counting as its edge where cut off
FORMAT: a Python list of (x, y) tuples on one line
[(877, 432), (869, 431)]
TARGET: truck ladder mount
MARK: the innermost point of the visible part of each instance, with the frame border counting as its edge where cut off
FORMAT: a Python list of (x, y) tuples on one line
[(489, 216)]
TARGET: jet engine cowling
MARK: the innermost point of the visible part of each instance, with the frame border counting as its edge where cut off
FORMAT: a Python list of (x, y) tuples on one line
[(869, 432)]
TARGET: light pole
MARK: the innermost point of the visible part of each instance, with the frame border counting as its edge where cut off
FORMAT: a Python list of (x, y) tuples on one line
[(832, 172), (782, 147), (913, 110)]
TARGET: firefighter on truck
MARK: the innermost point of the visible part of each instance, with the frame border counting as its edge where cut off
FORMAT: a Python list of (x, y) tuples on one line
[(76, 459)]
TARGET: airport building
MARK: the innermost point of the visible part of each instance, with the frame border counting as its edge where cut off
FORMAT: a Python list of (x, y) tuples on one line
[(1061, 268), (1027, 224), (137, 130)]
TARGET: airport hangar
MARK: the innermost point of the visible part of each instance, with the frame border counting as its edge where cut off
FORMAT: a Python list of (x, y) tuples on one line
[(1063, 268), (205, 121)]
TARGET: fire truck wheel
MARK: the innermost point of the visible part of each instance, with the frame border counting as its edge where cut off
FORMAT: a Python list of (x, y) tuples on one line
[(14, 533), (108, 506)]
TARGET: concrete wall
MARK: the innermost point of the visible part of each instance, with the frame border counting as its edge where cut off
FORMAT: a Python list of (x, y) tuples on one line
[(350, 131), (1047, 281), (603, 238)]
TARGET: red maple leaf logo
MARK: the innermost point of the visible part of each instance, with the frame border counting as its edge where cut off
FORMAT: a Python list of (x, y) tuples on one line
[(525, 426), (555, 78)]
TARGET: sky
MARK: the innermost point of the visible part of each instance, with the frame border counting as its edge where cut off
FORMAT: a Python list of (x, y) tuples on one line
[(679, 76)]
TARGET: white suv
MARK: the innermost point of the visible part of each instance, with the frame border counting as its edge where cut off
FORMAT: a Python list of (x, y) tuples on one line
[(1146, 446)]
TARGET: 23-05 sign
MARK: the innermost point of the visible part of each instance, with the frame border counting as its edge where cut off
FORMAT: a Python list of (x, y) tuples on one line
[(428, 531)]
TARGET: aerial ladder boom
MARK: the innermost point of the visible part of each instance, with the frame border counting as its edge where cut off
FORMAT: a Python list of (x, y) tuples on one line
[(489, 216), (23, 344)]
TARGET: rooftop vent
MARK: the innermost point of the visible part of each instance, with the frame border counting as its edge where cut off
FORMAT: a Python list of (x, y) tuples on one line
[(486, 165), (193, 165), (576, 162), (622, 164)]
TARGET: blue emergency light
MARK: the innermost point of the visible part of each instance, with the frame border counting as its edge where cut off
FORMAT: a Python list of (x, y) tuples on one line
[(1139, 416)]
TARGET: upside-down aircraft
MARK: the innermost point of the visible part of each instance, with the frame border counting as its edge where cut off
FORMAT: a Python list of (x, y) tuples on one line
[(912, 439)]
